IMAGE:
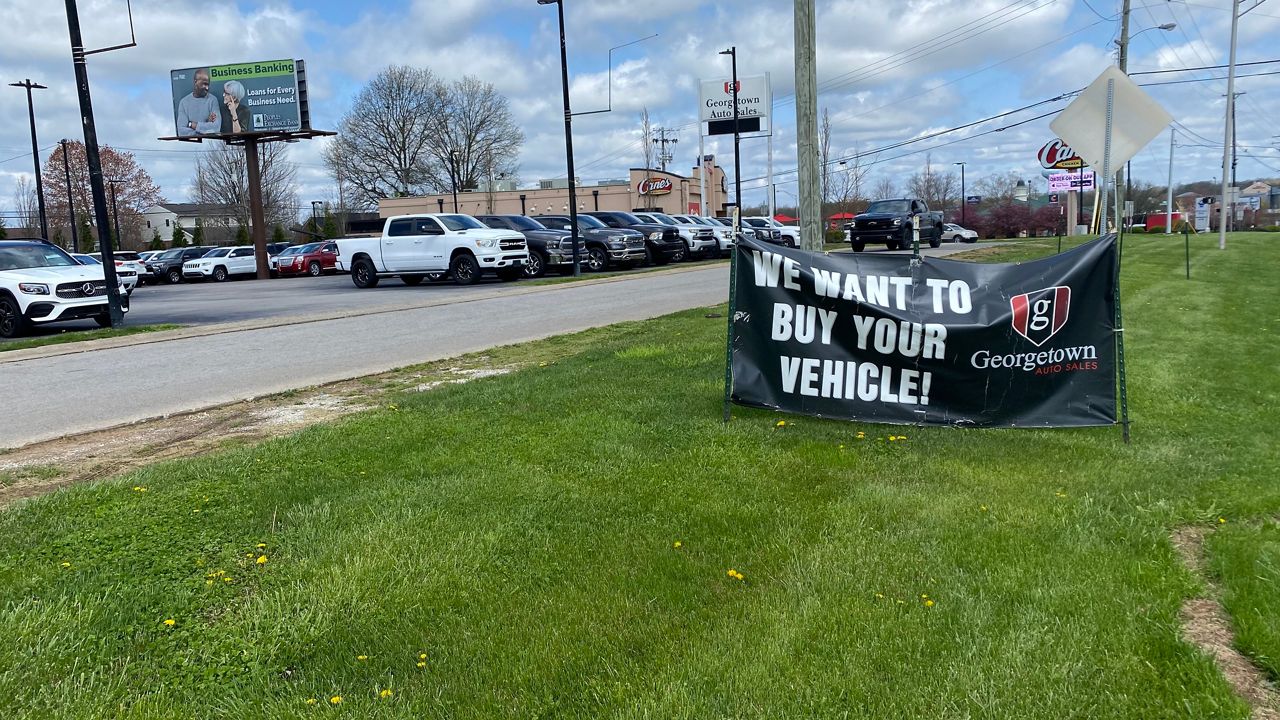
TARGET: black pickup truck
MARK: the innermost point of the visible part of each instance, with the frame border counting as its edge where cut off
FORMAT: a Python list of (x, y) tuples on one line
[(662, 242), (890, 222), (605, 247), (548, 248)]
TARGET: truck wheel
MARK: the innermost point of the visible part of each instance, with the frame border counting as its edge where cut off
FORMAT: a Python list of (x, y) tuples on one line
[(174, 276), (858, 247), (936, 239), (681, 255), (12, 323), (465, 269), (597, 259), (904, 242), (411, 280), (363, 274), (219, 274), (536, 266)]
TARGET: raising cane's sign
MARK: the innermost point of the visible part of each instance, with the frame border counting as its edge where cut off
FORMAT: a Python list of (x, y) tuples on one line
[(654, 186), (1057, 155)]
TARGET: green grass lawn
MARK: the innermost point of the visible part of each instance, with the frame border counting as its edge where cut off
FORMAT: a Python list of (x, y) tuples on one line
[(557, 543), (70, 336)]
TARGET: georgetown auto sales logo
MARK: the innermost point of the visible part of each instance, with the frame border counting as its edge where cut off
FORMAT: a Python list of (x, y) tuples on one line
[(730, 87), (1039, 315), (654, 186)]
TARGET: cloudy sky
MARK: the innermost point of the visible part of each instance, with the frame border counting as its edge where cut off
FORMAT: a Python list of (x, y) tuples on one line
[(887, 71)]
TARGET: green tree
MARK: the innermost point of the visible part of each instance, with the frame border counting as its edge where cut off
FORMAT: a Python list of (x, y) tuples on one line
[(278, 235), (157, 243), (179, 238), (59, 239), (3, 233), (242, 234), (197, 235), (86, 233), (330, 226)]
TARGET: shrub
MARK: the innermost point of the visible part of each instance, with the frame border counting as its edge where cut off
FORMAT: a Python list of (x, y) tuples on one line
[(835, 236)]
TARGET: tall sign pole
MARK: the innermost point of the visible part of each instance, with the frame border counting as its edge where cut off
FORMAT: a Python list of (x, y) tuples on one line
[(1227, 132), (807, 127), (95, 164), (71, 203), (35, 152)]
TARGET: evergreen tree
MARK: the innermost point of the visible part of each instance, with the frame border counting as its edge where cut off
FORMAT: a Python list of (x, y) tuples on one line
[(242, 235), (330, 226), (86, 234), (59, 239), (179, 238), (277, 235), (157, 243), (197, 235)]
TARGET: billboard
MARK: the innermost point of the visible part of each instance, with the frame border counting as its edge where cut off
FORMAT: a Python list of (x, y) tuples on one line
[(755, 101), (221, 100), (1070, 182)]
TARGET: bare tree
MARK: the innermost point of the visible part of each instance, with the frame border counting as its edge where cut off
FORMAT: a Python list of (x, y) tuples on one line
[(849, 181), (884, 189), (824, 155), (997, 188), (410, 133), (646, 137), (222, 178), (935, 188), (27, 205)]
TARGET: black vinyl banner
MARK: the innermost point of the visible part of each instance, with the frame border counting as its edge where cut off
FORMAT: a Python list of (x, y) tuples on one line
[(885, 338)]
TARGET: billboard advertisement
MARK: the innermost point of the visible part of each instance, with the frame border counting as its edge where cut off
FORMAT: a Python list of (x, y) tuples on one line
[(221, 100)]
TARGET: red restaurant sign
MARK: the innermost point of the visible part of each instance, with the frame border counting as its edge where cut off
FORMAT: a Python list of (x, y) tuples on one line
[(1057, 155)]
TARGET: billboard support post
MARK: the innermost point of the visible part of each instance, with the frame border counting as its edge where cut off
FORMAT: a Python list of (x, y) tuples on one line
[(256, 215)]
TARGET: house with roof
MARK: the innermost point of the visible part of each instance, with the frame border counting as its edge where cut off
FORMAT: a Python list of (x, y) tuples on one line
[(216, 218)]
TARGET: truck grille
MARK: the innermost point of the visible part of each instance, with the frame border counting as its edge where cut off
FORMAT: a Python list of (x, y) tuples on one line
[(72, 290), (872, 224), (635, 242), (706, 234), (511, 244)]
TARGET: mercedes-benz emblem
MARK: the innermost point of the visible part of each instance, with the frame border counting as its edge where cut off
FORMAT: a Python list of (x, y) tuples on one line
[(88, 289)]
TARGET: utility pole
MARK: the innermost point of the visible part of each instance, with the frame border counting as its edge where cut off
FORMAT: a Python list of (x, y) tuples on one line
[(807, 127), (1234, 189), (71, 203), (1168, 208), (662, 142), (1229, 140), (35, 152), (1123, 61)]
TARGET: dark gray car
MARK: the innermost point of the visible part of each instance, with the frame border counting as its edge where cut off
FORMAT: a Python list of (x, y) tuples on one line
[(605, 246)]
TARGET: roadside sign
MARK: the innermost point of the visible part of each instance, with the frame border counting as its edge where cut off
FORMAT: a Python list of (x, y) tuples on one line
[(1053, 198), (1136, 119), (972, 199), (1057, 155), (755, 104), (1068, 182)]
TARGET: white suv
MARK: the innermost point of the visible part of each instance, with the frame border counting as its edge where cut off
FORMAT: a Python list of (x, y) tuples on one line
[(40, 283), (221, 263)]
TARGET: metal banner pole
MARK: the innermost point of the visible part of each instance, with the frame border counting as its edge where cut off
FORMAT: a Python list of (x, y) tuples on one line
[(1120, 360), (1186, 243), (1106, 160)]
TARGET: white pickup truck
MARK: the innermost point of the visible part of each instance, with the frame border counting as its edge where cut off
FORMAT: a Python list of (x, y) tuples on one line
[(415, 247)]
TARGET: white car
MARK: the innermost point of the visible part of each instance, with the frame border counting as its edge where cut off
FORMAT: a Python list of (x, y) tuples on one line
[(747, 230), (40, 283), (221, 263), (954, 233), (699, 239), (127, 278), (130, 261), (723, 234)]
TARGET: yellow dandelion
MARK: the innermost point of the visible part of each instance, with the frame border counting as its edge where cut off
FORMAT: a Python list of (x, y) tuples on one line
[(902, 602), (902, 437), (542, 364), (924, 597), (335, 700), (169, 622), (196, 510), (262, 545), (982, 508), (781, 423), (1221, 520), (362, 658), (677, 544), (928, 603), (422, 664), (893, 438), (66, 564), (732, 572), (262, 560), (248, 555), (208, 582), (311, 701), (226, 579), (422, 656), (879, 596), (385, 694)]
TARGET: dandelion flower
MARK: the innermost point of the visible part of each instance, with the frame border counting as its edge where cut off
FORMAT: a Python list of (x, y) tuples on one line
[(335, 700), (422, 656), (262, 545), (677, 544), (226, 579), (781, 423), (982, 508), (422, 664), (311, 701), (385, 694), (732, 572), (262, 560), (928, 603), (169, 622), (1221, 520), (879, 596), (924, 597), (66, 564), (362, 658), (208, 582)]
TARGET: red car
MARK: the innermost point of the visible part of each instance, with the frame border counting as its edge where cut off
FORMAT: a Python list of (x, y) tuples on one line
[(313, 259)]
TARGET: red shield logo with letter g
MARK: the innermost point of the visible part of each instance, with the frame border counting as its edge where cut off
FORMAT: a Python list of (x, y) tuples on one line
[(730, 86), (1039, 315)]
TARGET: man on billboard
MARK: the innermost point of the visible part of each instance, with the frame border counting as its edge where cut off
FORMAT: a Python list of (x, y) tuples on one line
[(199, 112)]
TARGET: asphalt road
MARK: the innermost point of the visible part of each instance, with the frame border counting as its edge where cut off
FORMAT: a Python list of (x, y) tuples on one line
[(349, 333)]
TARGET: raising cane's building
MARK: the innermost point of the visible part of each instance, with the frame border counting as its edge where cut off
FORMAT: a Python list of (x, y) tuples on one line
[(645, 189)]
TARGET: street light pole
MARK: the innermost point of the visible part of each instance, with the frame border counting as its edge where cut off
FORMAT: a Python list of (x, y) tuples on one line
[(35, 152), (737, 161), (1229, 140), (963, 199), (115, 213), (568, 136), (71, 203), (453, 176)]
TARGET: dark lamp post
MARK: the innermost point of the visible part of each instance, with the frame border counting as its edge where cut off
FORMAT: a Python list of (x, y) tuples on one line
[(568, 135), (964, 200)]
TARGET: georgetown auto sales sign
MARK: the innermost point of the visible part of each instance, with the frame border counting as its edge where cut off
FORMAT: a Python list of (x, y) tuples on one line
[(940, 342)]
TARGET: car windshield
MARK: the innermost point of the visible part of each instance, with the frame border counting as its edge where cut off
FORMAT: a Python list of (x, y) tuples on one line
[(755, 222), (461, 222), (590, 222), (169, 254), (310, 248), (220, 252), (664, 218), (890, 206), (627, 218), (35, 255), (697, 220), (523, 223), (728, 222), (293, 250)]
